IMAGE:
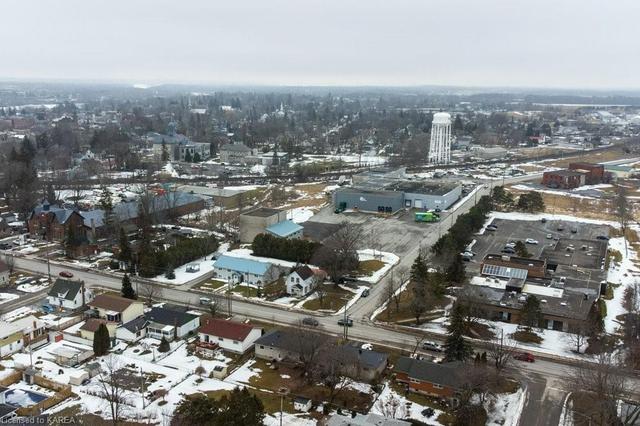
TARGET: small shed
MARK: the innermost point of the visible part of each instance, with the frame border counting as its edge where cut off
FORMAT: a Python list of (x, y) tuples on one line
[(301, 403), (219, 372), (77, 377)]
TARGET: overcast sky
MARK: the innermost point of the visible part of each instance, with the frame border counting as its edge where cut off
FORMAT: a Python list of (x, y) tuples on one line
[(531, 43)]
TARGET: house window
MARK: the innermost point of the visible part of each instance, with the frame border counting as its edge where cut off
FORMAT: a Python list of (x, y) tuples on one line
[(235, 342), (414, 381), (437, 386), (206, 338), (261, 347), (221, 339)]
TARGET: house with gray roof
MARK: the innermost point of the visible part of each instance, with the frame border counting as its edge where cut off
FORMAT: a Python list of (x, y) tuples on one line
[(179, 147), (69, 294), (133, 330), (171, 321), (439, 380), (234, 153)]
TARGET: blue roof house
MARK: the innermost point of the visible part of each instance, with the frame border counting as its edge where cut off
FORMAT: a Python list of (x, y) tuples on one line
[(285, 229), (241, 270)]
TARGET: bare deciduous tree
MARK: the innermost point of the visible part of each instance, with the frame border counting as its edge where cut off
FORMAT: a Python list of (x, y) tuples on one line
[(603, 383), (111, 387), (10, 261), (578, 337), (338, 255), (149, 291), (391, 406), (623, 211), (501, 351)]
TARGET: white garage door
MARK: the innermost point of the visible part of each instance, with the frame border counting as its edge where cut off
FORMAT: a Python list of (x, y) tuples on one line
[(417, 204)]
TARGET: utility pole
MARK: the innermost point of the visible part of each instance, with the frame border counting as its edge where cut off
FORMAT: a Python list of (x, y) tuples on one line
[(142, 389), (345, 325)]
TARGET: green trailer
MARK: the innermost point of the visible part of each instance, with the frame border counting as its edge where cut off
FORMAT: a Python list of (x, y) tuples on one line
[(427, 217), (341, 207)]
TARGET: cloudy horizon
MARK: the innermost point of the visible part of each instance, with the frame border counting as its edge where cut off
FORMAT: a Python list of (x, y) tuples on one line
[(492, 43)]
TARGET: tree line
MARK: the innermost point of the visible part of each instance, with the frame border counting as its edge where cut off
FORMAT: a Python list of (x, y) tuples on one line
[(293, 250)]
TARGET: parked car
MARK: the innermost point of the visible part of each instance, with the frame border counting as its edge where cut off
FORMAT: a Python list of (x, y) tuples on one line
[(47, 308), (508, 250), (543, 220), (531, 241), (205, 301), (432, 346), (348, 322), (510, 244), (310, 321), (524, 356), (602, 237), (549, 236), (560, 228), (428, 412), (574, 230), (66, 274), (365, 293), (492, 228)]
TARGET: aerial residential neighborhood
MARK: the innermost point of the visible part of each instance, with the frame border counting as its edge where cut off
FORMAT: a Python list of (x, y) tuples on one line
[(337, 213)]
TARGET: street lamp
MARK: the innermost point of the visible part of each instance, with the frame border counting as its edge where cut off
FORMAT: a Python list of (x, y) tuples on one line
[(283, 391)]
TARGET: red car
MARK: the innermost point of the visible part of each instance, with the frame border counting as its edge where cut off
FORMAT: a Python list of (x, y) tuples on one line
[(524, 356), (66, 274)]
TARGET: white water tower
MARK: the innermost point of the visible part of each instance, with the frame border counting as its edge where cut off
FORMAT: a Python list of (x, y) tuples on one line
[(440, 144)]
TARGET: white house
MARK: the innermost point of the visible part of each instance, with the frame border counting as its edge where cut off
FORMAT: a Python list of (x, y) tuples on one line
[(241, 270), (33, 328), (11, 338), (133, 330), (170, 322), (67, 294), (301, 403), (230, 336), (301, 281)]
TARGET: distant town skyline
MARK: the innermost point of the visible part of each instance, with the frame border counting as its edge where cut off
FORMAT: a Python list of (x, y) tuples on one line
[(492, 43)]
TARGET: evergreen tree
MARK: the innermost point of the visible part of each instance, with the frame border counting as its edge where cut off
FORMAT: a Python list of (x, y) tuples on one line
[(170, 274), (127, 289), (165, 152), (101, 340), (196, 157), (521, 249), (187, 157), (456, 271), (531, 313), (238, 408), (456, 348), (164, 345), (105, 201), (125, 249)]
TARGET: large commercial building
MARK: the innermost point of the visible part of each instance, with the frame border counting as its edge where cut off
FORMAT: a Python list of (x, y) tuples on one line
[(257, 221), (387, 192), (440, 144)]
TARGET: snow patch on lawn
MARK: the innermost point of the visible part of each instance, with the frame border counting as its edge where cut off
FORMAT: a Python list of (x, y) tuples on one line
[(415, 412), (622, 274), (300, 214), (389, 259), (507, 408)]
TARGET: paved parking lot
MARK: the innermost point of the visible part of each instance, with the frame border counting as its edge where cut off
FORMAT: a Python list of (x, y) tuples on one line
[(398, 233), (514, 230)]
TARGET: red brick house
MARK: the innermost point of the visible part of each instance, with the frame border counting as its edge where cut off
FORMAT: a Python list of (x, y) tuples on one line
[(565, 179), (439, 380), (594, 173)]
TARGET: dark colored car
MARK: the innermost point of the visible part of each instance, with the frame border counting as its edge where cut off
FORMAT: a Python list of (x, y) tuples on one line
[(66, 274), (524, 356), (365, 293), (310, 321), (602, 237), (348, 322), (428, 412), (508, 251), (492, 228)]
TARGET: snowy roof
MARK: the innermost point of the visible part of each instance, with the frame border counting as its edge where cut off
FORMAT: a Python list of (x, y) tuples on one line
[(539, 290), (242, 265), (284, 228), (8, 328)]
